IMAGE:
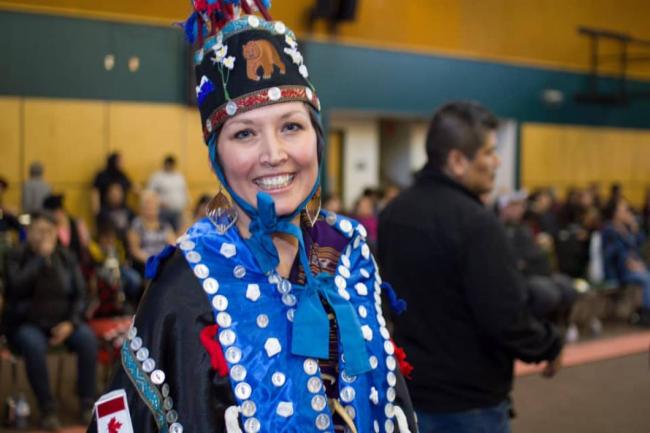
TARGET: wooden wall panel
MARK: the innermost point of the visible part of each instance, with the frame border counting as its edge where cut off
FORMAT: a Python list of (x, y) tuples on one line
[(144, 134), (10, 148), (566, 156), (67, 136)]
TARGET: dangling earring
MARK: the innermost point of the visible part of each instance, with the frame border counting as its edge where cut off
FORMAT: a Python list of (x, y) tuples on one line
[(312, 210), (221, 212)]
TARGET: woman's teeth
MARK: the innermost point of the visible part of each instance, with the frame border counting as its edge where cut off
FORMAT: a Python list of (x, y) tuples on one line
[(274, 182)]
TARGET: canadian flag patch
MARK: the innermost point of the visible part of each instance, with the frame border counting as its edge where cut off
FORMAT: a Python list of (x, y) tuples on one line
[(112, 413)]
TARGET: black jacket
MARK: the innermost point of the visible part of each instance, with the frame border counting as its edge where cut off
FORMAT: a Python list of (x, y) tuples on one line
[(467, 321)]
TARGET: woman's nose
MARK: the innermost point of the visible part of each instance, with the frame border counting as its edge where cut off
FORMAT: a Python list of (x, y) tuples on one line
[(273, 151)]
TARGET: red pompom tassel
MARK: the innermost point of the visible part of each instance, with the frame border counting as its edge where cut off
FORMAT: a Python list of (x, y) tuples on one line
[(212, 346), (404, 366)]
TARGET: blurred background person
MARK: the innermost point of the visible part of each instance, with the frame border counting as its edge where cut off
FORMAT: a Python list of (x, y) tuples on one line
[(622, 243), (72, 232), (112, 173), (35, 189), (148, 235), (116, 211), (46, 297), (171, 187), (364, 211)]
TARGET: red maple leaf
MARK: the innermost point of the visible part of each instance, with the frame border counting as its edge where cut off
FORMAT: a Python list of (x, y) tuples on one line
[(114, 425)]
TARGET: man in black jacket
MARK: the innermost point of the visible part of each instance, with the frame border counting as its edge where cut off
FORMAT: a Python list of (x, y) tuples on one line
[(45, 304), (448, 257)]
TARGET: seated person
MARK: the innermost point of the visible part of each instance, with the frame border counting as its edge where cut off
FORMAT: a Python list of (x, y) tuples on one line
[(551, 295), (45, 304), (148, 235), (622, 242), (115, 286)]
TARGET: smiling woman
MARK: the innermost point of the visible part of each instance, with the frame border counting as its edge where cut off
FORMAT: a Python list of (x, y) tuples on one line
[(268, 315)]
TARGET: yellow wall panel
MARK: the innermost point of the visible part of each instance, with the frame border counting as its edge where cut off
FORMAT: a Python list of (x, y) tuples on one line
[(196, 162), (10, 148), (67, 136), (144, 134), (569, 156)]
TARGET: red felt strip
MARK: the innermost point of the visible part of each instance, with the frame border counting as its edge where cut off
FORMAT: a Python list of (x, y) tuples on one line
[(110, 406)]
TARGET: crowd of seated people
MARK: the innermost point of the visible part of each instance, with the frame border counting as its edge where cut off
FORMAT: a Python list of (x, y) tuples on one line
[(73, 285)]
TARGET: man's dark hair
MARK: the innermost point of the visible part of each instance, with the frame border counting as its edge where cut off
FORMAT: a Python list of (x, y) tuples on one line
[(170, 160), (458, 125), (42, 215)]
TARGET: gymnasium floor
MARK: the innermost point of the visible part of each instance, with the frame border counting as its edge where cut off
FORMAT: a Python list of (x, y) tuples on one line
[(604, 388)]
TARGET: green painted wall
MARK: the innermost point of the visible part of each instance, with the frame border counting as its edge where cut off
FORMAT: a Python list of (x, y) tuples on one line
[(55, 56)]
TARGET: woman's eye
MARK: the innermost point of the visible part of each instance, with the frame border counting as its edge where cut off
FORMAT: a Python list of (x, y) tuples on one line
[(243, 134), (292, 127)]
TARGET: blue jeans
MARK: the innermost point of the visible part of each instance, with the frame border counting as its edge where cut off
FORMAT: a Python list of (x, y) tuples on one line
[(642, 279), (494, 419), (31, 342)]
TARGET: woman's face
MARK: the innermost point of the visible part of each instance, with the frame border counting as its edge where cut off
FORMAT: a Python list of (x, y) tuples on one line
[(270, 149)]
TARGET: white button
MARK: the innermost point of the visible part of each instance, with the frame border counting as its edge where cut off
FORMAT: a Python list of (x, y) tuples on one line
[(345, 272), (224, 320), (289, 299), (367, 332), (340, 282), (322, 421), (252, 425), (243, 391), (389, 410), (274, 279), (290, 313), (168, 403), (390, 394), (253, 292), (391, 378), (133, 332), (391, 363), (351, 412), (262, 321), (357, 242), (314, 384), (310, 95), (231, 108), (388, 347), (278, 379), (148, 365), (389, 426), (364, 273), (318, 402), (346, 378), (201, 271), (375, 426), (331, 216), (233, 355), (187, 245), (284, 286), (248, 408), (361, 289), (171, 417), (272, 347), (228, 250), (239, 271), (176, 428), (238, 372), (381, 320), (193, 257), (220, 302), (227, 337), (345, 225), (362, 230), (284, 409), (347, 394), (310, 366), (136, 343), (384, 333), (363, 312), (374, 362), (344, 294), (210, 285), (165, 390), (280, 27), (142, 354), (253, 21), (274, 93), (158, 377), (365, 251), (345, 260)]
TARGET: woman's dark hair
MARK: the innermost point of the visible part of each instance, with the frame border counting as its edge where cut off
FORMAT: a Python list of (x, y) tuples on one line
[(609, 210), (42, 215), (460, 125)]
